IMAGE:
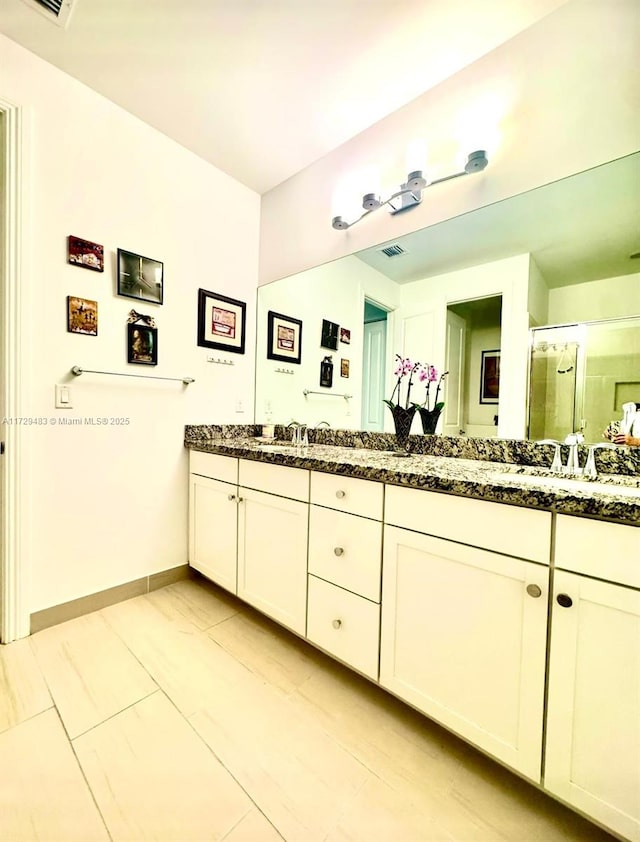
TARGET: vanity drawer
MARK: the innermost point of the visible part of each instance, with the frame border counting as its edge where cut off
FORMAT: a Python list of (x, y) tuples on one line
[(275, 479), (345, 625), (347, 494), (214, 466), (346, 550), (511, 530), (609, 551)]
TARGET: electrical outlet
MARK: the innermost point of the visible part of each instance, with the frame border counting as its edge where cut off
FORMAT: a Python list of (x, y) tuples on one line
[(239, 406)]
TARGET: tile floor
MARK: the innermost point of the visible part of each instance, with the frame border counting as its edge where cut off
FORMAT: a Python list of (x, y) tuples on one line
[(184, 715)]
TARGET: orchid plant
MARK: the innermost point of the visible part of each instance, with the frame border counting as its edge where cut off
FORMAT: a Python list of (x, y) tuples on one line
[(404, 367), (430, 374)]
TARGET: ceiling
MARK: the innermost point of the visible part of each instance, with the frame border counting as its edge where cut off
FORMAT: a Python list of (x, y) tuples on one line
[(581, 228), (262, 88)]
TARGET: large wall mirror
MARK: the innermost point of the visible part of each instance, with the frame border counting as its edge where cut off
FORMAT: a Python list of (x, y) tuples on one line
[(455, 293)]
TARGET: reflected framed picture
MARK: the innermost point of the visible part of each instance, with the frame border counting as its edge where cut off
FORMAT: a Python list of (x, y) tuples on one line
[(142, 344), (344, 368), (140, 277), (284, 338), (345, 335), (85, 253), (329, 336), (490, 377), (221, 322)]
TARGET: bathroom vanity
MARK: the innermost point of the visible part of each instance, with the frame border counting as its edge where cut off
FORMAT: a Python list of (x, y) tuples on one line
[(504, 608)]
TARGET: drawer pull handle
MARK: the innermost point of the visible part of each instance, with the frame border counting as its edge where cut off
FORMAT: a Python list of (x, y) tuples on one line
[(340, 494), (338, 551), (231, 497), (336, 624), (564, 600), (534, 590)]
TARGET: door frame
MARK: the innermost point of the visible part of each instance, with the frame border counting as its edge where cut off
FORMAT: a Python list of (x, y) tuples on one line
[(15, 368)]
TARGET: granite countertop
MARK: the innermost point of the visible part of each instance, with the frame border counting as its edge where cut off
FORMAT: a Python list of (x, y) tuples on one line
[(610, 497)]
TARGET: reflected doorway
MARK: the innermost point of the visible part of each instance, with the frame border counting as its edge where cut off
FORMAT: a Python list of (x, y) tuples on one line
[(374, 355), (473, 331)]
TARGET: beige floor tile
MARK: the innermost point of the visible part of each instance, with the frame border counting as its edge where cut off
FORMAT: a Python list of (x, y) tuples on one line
[(266, 649), (202, 604), (90, 672), (299, 777), (254, 827), (43, 795), (23, 692), (153, 778)]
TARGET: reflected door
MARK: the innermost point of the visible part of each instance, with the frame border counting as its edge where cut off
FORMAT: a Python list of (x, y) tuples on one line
[(374, 351), (454, 404)]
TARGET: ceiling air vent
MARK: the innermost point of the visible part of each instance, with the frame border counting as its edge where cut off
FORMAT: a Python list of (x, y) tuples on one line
[(393, 251), (57, 11)]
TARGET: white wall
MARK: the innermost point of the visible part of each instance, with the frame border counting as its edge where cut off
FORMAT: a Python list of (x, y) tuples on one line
[(561, 97), (610, 298), (335, 292), (109, 503)]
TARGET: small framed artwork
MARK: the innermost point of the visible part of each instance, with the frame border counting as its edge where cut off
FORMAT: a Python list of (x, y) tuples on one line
[(344, 368), (490, 377), (142, 344), (221, 322), (329, 336), (85, 253), (345, 335), (82, 316), (140, 277), (284, 338), (326, 372)]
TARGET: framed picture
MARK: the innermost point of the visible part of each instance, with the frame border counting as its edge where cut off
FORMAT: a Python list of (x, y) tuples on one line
[(140, 277), (345, 335), (86, 254), (142, 344), (284, 338), (326, 372), (329, 336), (490, 377), (221, 322), (82, 316), (344, 368)]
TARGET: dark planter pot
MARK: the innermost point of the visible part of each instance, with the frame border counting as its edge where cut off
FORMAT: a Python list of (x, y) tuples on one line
[(402, 420), (429, 418)]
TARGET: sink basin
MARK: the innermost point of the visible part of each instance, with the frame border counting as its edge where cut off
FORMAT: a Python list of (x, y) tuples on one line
[(570, 484)]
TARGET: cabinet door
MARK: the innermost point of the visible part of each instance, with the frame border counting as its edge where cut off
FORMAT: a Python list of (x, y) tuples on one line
[(213, 529), (464, 641), (272, 556), (593, 719)]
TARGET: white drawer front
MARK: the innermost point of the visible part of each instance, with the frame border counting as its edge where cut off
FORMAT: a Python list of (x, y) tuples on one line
[(346, 494), (345, 625), (608, 551), (512, 530), (346, 550), (224, 468), (275, 479)]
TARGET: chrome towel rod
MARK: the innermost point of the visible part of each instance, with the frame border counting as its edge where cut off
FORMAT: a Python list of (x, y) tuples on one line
[(306, 392), (78, 371)]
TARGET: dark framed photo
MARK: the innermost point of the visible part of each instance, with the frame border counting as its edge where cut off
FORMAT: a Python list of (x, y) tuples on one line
[(345, 335), (329, 336), (85, 253), (284, 338), (221, 322), (140, 277), (142, 344), (82, 316), (490, 377)]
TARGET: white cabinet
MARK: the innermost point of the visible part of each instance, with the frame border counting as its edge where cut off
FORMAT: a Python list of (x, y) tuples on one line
[(463, 639), (593, 713), (272, 556)]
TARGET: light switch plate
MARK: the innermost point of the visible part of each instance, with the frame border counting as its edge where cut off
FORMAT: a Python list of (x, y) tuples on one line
[(63, 396)]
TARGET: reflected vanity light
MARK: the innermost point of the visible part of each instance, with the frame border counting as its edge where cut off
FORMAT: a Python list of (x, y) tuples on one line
[(410, 193)]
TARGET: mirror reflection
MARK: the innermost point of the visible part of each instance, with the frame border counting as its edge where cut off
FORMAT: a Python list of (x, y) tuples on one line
[(454, 294)]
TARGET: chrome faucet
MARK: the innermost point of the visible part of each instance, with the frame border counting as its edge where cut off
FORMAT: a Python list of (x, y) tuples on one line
[(590, 469), (556, 465), (573, 460), (322, 424)]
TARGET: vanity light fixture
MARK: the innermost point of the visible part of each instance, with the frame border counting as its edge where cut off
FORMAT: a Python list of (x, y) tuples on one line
[(410, 194)]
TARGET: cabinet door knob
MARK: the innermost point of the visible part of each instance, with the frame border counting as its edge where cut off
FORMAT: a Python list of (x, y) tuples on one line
[(240, 499), (336, 624), (564, 600), (340, 494), (338, 551), (231, 497), (534, 591)]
